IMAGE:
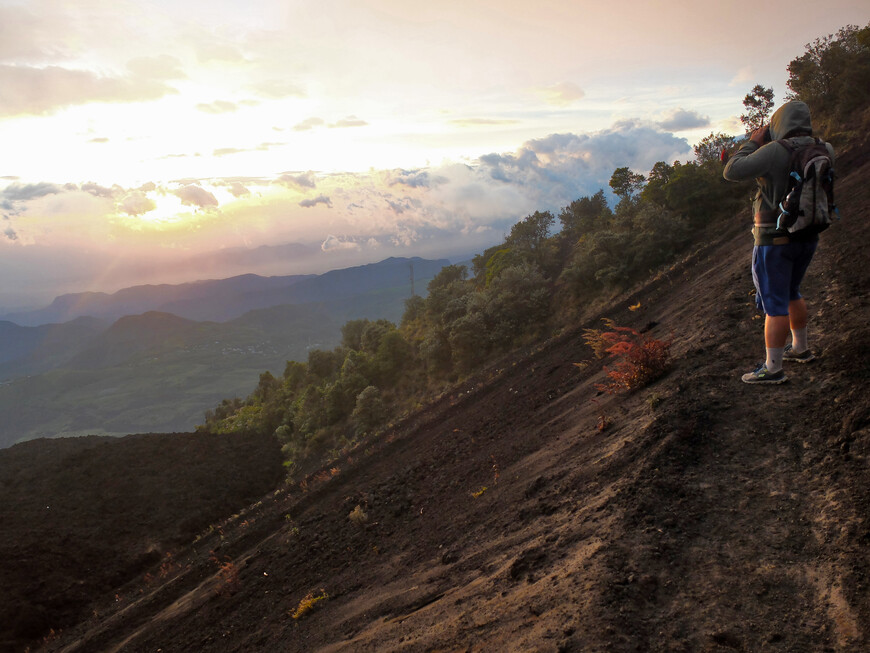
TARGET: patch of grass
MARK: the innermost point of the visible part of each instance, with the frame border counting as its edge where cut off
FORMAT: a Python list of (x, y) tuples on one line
[(308, 603), (358, 516)]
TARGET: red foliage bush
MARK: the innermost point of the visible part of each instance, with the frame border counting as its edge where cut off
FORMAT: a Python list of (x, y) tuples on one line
[(640, 360)]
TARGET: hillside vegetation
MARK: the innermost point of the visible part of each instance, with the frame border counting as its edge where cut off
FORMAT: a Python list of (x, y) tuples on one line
[(706, 516), (524, 508), (516, 293), (531, 285)]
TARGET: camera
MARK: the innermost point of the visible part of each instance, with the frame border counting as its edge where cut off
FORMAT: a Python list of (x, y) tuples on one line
[(767, 134)]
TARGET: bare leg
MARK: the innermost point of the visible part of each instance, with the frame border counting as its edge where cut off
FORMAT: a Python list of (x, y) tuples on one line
[(797, 314), (776, 328)]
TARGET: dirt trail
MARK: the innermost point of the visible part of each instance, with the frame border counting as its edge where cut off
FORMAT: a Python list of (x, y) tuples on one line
[(710, 516)]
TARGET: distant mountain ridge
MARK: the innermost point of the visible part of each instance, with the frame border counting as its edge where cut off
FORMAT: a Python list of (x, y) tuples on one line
[(220, 300), (140, 299), (159, 370)]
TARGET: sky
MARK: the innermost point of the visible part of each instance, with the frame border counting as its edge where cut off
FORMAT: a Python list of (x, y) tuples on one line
[(174, 140)]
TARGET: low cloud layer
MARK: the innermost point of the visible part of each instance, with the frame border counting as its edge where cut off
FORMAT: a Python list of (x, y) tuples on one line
[(137, 203), (557, 169), (682, 119), (486, 195), (314, 201), (238, 189), (309, 123), (334, 244), (299, 181), (415, 178), (193, 195), (45, 64), (24, 192), (218, 106), (38, 91), (350, 121), (431, 210)]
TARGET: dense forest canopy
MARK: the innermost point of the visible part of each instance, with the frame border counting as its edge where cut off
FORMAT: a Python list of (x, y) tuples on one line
[(546, 271), (833, 78)]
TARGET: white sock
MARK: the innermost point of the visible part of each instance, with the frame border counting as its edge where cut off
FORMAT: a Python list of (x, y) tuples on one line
[(774, 359), (799, 340)]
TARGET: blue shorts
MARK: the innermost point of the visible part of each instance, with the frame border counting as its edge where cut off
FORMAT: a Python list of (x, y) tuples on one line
[(777, 271)]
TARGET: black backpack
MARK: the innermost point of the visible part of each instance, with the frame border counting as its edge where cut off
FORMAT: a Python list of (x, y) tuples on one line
[(808, 205)]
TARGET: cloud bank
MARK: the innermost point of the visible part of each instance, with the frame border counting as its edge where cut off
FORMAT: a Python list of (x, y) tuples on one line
[(433, 210), (193, 195), (350, 121), (42, 90), (682, 119), (137, 203), (320, 199)]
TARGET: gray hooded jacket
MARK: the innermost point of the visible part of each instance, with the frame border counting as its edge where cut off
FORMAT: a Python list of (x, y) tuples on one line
[(769, 164)]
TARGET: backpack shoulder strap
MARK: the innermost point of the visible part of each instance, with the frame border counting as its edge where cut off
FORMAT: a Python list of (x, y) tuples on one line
[(793, 154), (787, 144), (793, 151)]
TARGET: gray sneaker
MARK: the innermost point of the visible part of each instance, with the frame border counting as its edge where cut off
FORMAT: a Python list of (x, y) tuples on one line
[(805, 356), (760, 376)]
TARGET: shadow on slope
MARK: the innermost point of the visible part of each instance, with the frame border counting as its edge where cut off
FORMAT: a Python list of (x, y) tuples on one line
[(711, 516), (81, 516)]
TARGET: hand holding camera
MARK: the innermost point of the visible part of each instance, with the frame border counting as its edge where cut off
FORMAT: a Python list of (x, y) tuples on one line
[(761, 135)]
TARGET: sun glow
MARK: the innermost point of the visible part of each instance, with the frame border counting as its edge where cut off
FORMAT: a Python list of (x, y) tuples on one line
[(374, 128), (181, 206), (157, 210)]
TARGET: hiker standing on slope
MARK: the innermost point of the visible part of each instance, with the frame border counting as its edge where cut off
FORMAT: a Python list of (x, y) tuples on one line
[(779, 258)]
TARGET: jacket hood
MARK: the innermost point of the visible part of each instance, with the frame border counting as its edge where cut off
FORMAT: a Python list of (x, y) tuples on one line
[(791, 117)]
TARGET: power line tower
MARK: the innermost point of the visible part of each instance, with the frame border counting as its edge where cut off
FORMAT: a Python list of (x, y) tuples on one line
[(412, 280)]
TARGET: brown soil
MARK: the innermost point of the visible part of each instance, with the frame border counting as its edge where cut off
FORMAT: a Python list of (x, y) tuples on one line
[(82, 516), (709, 516)]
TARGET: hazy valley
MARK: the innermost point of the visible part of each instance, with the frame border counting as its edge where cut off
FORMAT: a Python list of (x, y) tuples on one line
[(155, 358)]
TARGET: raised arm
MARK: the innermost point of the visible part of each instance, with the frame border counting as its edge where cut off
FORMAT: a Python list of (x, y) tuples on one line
[(753, 159)]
